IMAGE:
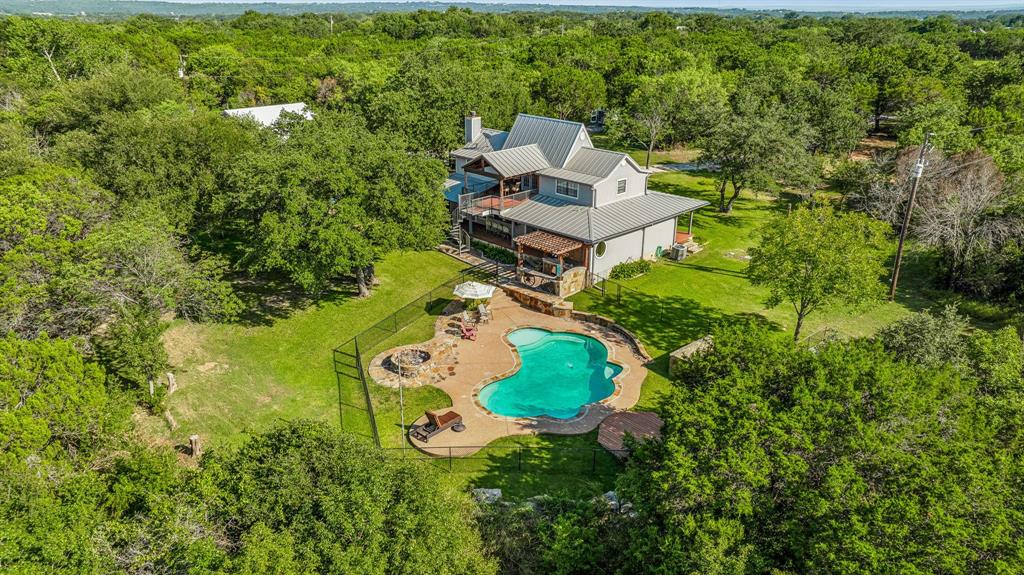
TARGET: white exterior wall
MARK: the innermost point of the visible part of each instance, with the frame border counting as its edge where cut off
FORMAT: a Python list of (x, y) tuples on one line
[(661, 234), (459, 162), (634, 245), (547, 187), (618, 250), (636, 184), (582, 140)]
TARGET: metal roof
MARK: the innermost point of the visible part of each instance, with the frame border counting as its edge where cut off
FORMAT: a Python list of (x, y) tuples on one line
[(453, 185), (595, 224), (554, 137), (564, 174), (596, 162), (517, 161), (488, 141), (268, 115)]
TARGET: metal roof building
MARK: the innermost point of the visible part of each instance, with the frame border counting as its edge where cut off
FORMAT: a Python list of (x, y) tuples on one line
[(267, 116), (590, 224), (555, 138)]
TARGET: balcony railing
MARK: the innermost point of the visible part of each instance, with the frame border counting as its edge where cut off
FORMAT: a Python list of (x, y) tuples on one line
[(489, 203)]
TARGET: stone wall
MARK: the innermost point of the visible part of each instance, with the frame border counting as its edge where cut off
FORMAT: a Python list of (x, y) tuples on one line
[(544, 303), (608, 323), (573, 280), (688, 351)]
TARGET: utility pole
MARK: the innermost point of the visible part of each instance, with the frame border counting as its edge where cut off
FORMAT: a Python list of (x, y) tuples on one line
[(916, 181)]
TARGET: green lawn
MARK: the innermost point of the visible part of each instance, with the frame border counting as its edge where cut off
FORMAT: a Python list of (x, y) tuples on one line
[(278, 364), (678, 302)]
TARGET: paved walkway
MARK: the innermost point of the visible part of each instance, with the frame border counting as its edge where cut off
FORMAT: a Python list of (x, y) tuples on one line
[(479, 362)]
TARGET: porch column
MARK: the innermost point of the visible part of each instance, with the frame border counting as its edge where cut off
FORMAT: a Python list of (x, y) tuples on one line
[(519, 259), (561, 265), (501, 194), (689, 228)]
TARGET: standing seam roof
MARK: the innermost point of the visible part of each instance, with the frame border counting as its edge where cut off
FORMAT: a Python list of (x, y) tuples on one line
[(517, 161), (554, 137), (595, 224), (595, 162)]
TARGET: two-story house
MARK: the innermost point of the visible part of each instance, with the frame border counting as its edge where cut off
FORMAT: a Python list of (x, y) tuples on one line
[(544, 191)]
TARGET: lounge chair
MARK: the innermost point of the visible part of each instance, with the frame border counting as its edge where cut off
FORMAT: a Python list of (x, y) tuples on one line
[(466, 319), (468, 331), (485, 314), (436, 423)]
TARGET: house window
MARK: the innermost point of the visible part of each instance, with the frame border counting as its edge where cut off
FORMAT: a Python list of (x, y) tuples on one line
[(622, 187), (570, 189), (600, 249), (526, 182)]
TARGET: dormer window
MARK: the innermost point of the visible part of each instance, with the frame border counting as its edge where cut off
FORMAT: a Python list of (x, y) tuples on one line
[(622, 187), (567, 188)]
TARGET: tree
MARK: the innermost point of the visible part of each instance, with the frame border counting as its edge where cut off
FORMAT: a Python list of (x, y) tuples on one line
[(332, 199), (572, 93), (758, 149), (779, 458), (300, 481), (815, 258), (681, 105), (133, 353), (52, 400), (962, 212)]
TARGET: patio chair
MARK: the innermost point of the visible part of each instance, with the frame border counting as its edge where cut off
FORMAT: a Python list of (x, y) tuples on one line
[(485, 314), (436, 423), (466, 319), (468, 331)]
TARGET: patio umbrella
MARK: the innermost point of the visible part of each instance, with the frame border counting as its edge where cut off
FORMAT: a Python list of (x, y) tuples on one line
[(474, 290)]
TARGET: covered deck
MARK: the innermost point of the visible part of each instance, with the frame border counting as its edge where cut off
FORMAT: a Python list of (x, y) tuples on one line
[(558, 261)]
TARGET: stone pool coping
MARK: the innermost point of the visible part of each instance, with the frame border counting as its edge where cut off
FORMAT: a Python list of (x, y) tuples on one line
[(474, 364), (617, 380)]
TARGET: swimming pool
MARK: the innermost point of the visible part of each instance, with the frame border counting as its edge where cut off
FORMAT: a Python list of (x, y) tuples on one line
[(560, 373)]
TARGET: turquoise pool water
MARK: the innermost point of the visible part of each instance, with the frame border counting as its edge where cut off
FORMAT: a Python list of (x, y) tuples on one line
[(560, 373)]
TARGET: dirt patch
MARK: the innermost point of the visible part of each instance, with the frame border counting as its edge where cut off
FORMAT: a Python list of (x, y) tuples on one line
[(871, 144), (184, 343), (739, 255), (212, 367)]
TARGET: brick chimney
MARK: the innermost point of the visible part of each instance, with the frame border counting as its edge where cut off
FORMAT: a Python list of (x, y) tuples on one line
[(474, 127)]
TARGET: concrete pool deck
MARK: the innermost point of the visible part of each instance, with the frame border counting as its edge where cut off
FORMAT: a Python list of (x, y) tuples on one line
[(469, 365)]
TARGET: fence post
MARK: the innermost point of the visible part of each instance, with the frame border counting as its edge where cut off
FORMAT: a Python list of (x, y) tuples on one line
[(519, 451), (449, 459), (366, 393)]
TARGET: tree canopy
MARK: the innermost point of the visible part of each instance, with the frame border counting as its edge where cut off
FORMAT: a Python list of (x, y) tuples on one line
[(817, 257), (784, 459)]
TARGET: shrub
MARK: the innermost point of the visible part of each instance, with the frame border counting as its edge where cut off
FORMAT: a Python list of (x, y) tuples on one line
[(627, 270), (500, 255)]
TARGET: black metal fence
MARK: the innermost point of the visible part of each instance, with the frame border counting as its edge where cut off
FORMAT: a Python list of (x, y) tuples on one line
[(359, 398), (607, 288)]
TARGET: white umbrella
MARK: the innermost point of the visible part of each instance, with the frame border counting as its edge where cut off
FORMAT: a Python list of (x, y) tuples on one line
[(474, 290)]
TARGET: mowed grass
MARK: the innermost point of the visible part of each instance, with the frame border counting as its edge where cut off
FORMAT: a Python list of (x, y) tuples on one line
[(242, 377), (678, 302), (280, 365)]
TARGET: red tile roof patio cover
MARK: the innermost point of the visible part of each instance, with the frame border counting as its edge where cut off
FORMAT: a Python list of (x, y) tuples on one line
[(549, 243)]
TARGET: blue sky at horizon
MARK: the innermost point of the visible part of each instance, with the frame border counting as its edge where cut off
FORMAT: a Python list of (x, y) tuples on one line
[(806, 5)]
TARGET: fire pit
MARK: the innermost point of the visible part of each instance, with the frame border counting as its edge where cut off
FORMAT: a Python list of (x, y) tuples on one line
[(408, 361)]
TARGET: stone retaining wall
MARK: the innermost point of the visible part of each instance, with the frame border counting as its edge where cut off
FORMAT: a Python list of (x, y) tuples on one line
[(610, 324)]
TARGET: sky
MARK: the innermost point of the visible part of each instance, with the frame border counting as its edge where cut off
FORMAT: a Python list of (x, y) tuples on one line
[(807, 5)]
